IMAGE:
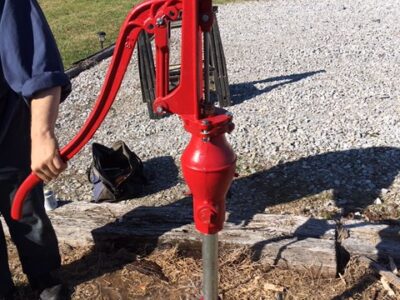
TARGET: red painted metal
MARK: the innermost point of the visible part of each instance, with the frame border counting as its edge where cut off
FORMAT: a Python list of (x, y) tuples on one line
[(208, 168), (208, 162)]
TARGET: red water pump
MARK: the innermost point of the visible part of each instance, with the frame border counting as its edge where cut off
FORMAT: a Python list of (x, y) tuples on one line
[(208, 162)]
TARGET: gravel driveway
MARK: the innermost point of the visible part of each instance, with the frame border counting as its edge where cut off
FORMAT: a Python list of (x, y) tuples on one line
[(315, 87)]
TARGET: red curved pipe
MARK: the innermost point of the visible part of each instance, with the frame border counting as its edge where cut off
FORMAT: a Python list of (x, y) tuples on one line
[(122, 54)]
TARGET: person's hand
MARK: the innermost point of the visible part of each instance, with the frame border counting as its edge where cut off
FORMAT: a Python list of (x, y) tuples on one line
[(46, 162)]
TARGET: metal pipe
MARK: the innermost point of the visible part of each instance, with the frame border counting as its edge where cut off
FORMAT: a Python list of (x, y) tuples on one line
[(210, 266)]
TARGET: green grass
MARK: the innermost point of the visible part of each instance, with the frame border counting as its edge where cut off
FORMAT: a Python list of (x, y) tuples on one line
[(75, 24)]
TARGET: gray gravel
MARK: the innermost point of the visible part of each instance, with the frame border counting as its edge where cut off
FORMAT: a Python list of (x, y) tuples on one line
[(315, 85)]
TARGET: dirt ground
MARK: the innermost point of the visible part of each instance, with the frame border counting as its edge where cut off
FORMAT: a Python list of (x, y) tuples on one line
[(120, 273)]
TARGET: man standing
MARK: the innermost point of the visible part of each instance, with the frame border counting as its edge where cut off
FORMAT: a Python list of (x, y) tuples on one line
[(32, 84)]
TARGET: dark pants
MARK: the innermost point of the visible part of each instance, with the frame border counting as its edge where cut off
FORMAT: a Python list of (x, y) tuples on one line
[(33, 235)]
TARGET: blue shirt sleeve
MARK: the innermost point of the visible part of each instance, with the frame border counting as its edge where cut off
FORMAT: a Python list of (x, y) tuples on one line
[(29, 56)]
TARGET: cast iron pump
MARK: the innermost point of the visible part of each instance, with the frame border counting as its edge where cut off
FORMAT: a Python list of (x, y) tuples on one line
[(208, 162)]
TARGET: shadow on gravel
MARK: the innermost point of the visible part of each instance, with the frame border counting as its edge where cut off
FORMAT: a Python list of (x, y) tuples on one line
[(248, 90), (161, 173), (355, 177)]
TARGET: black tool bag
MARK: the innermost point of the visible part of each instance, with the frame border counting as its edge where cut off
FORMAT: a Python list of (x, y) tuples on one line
[(116, 173)]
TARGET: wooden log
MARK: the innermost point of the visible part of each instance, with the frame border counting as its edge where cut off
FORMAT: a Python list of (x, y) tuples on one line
[(299, 253), (293, 241), (290, 241), (378, 241), (372, 231), (74, 222), (299, 226)]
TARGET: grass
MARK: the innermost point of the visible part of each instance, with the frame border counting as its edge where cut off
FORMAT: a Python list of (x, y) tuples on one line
[(75, 24)]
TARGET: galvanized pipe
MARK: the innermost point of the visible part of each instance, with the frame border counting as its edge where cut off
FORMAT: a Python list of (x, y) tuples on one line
[(210, 266)]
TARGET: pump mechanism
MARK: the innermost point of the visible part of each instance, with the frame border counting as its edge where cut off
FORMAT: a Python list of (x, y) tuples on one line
[(208, 162)]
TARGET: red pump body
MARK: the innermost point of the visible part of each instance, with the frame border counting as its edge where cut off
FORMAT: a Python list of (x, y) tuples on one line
[(208, 169), (208, 162)]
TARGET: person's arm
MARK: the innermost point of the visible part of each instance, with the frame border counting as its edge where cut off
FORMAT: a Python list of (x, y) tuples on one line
[(45, 158), (33, 68)]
